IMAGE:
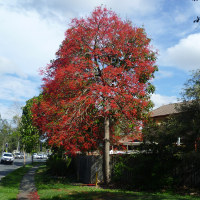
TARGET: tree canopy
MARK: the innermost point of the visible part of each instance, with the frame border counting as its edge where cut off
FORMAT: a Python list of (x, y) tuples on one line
[(103, 68), (29, 133), (9, 134), (185, 124), (190, 112), (99, 81), (5, 131)]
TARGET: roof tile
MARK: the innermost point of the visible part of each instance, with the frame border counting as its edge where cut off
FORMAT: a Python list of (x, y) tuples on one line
[(165, 110)]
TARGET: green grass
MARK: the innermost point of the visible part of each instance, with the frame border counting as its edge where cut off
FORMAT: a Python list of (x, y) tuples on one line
[(9, 185), (60, 189)]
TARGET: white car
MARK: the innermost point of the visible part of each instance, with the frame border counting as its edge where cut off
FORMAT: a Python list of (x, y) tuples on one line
[(7, 158), (39, 156), (35, 155), (45, 156), (18, 155)]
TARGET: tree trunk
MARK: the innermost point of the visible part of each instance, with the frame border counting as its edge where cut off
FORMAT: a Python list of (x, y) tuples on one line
[(106, 151), (24, 158), (18, 150)]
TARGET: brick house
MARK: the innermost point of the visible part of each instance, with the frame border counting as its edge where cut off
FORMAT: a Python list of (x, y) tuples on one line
[(161, 113)]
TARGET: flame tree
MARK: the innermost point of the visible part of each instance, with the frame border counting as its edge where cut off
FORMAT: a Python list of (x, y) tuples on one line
[(99, 81)]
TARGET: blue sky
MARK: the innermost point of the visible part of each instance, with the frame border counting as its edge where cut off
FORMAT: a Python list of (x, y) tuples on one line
[(31, 32)]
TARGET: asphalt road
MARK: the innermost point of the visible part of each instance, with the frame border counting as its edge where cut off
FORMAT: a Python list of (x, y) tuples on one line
[(7, 168)]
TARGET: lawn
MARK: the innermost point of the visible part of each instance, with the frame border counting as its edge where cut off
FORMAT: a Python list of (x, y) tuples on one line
[(9, 185), (51, 188)]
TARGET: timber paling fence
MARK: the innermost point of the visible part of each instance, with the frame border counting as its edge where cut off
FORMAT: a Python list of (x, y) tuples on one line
[(90, 166), (184, 174), (188, 174)]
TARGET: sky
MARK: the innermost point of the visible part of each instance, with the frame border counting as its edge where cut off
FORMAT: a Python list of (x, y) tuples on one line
[(32, 30)]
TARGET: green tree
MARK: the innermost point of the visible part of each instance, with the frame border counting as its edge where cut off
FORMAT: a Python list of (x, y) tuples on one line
[(160, 140), (16, 122), (5, 132), (190, 113), (29, 133), (185, 125), (102, 71)]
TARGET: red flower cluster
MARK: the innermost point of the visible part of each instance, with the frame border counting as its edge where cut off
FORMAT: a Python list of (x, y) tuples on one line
[(103, 68)]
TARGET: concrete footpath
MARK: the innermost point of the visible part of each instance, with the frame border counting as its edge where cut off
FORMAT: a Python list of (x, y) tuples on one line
[(27, 189)]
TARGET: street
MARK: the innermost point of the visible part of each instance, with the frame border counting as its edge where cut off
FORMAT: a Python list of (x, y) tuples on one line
[(7, 168)]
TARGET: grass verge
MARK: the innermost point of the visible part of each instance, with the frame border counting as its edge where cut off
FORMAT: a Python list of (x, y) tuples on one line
[(51, 188), (9, 185)]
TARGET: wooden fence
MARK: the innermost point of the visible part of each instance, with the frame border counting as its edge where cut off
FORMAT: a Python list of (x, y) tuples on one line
[(87, 167)]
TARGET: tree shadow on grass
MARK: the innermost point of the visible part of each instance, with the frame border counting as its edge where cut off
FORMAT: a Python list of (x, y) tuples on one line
[(91, 195)]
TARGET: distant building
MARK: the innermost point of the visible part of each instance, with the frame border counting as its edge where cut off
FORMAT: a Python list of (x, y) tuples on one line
[(161, 113)]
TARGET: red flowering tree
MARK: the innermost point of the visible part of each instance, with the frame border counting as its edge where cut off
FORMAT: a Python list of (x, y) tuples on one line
[(98, 83)]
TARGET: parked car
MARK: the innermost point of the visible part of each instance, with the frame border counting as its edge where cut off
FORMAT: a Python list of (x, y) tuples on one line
[(7, 158), (45, 156), (117, 152), (35, 155), (22, 155), (18, 156), (39, 156)]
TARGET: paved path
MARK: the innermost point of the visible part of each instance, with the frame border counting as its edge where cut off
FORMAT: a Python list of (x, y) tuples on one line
[(27, 189)]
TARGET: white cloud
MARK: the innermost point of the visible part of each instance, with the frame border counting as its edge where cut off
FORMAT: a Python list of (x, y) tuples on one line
[(160, 100), (196, 7), (4, 111), (184, 55), (163, 74), (17, 89), (78, 7), (31, 32), (6, 66), (135, 7), (8, 111), (28, 41), (181, 18), (63, 11)]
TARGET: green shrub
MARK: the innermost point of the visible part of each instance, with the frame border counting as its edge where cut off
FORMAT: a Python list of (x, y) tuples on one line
[(144, 171), (58, 165)]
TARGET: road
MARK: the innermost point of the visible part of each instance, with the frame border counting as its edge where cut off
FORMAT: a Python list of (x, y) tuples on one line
[(7, 168)]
